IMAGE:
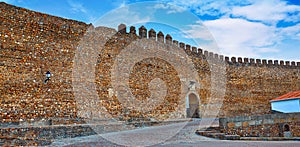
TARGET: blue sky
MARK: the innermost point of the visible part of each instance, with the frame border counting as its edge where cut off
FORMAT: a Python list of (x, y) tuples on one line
[(268, 29)]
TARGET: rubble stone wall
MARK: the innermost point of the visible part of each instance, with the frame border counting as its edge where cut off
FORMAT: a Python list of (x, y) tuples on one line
[(33, 43), (269, 125)]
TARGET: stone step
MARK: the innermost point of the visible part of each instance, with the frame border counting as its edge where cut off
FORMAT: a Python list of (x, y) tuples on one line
[(271, 138), (232, 137), (210, 129), (216, 135), (214, 132), (204, 133)]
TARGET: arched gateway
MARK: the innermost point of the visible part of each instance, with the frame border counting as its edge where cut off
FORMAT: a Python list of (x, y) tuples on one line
[(192, 106)]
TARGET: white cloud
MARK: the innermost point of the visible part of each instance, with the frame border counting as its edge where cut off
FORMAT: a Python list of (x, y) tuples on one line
[(198, 30), (268, 50), (170, 8), (208, 7), (77, 7), (122, 15), (291, 32), (268, 11), (294, 18), (119, 3), (247, 28), (239, 37)]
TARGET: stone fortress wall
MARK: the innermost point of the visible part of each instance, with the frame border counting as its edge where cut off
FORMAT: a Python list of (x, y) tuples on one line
[(33, 43)]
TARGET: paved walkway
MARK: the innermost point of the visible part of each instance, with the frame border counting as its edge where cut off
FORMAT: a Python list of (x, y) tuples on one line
[(173, 133), (179, 134)]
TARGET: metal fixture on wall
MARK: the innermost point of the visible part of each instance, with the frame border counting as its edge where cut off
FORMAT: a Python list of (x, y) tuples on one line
[(48, 75)]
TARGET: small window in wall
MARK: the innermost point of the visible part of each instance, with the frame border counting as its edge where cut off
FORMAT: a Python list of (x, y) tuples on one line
[(286, 131), (286, 128)]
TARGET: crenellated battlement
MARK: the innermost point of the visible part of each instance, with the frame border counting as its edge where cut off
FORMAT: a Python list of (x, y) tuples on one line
[(199, 52), (33, 43), (261, 62)]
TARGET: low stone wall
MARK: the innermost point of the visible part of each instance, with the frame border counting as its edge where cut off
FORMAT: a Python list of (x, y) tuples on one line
[(33, 136), (270, 125)]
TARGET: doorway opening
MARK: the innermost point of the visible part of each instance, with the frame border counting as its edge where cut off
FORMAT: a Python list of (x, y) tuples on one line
[(193, 106)]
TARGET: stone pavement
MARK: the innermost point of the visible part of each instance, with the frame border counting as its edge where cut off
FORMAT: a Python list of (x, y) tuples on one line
[(187, 134), (172, 133), (179, 134), (219, 143)]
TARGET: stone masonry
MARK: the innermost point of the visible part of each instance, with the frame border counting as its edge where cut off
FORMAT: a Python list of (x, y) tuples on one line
[(268, 125), (33, 43)]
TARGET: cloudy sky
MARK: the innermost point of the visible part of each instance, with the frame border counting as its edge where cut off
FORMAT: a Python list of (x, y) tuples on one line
[(268, 29)]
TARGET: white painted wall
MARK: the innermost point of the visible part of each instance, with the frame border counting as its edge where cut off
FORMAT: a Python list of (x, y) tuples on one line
[(286, 106), (187, 104)]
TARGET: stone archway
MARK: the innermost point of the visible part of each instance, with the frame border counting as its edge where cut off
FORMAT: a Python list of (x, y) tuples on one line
[(192, 109)]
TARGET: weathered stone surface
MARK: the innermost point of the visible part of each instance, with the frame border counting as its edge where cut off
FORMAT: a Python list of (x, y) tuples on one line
[(230, 125), (33, 43), (245, 124), (262, 126)]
